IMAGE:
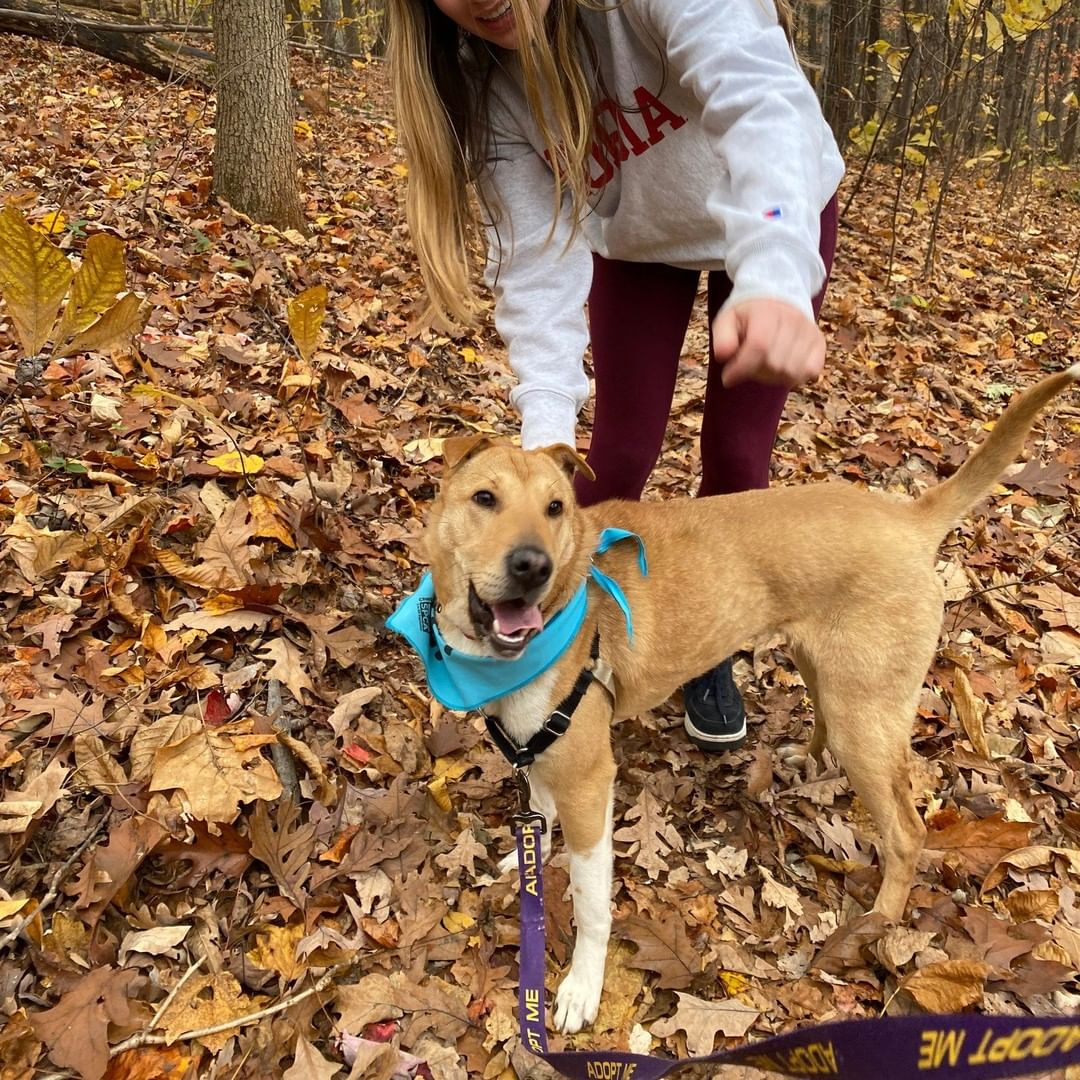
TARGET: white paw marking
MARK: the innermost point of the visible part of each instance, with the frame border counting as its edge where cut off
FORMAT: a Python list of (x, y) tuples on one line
[(578, 998)]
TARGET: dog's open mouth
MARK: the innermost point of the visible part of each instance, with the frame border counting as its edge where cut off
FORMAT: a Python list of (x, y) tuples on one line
[(508, 625)]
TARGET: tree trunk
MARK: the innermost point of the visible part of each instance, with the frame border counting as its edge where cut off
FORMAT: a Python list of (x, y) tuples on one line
[(840, 67), (352, 28), (145, 53), (330, 33), (130, 9), (1068, 136), (297, 32), (254, 148)]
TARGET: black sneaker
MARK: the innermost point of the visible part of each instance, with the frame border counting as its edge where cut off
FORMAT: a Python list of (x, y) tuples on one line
[(715, 714)]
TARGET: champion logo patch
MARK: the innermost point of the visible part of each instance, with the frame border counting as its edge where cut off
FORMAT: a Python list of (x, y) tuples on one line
[(774, 213)]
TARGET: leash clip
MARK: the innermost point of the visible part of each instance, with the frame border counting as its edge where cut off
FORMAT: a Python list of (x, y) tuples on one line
[(526, 815)]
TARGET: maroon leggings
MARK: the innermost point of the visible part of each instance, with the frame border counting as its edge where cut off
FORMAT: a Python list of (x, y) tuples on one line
[(638, 315)]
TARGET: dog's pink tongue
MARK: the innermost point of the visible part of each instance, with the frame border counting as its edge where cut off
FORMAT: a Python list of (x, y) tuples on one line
[(513, 618)]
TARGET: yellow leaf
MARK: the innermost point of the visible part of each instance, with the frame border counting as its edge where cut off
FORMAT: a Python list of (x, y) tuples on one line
[(457, 921), (96, 285), (123, 320), (964, 272), (34, 276), (469, 356), (12, 907), (237, 464), (994, 35), (302, 129), (213, 576), (275, 950), (1037, 338), (734, 983), (305, 315), (51, 224), (451, 768), (437, 790), (266, 520), (401, 169)]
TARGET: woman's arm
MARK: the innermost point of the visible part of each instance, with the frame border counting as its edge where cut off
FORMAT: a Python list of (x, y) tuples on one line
[(541, 280)]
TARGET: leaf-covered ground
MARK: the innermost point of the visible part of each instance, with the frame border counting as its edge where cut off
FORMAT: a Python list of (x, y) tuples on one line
[(200, 538)]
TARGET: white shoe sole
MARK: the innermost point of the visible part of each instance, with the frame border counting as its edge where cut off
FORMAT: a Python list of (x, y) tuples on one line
[(706, 741)]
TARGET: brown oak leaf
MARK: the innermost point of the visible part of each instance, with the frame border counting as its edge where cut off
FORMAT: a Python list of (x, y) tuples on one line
[(701, 1020), (652, 838), (75, 1030), (663, 946)]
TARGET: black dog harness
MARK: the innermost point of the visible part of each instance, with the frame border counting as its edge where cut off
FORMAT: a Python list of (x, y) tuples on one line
[(558, 723)]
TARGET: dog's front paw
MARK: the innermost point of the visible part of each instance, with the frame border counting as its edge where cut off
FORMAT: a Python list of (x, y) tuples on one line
[(578, 999)]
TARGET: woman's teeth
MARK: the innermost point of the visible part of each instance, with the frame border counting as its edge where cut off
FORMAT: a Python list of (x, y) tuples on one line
[(494, 18)]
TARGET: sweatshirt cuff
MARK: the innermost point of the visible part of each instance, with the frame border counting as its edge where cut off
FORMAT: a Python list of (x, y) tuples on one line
[(547, 418), (777, 273)]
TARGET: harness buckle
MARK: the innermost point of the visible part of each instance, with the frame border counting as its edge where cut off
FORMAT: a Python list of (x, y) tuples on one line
[(526, 815), (558, 723)]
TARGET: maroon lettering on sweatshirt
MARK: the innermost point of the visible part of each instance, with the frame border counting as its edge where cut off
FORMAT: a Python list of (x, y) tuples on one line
[(616, 138)]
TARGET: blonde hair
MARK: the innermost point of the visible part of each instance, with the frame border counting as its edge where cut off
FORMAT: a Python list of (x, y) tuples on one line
[(441, 78)]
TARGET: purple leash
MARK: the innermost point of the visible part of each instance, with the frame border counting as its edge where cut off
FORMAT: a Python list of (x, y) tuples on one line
[(882, 1048)]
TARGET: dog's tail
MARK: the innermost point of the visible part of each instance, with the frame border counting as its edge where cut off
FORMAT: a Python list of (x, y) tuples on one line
[(942, 506)]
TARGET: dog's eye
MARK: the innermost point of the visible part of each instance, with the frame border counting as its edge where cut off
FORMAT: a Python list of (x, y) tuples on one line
[(484, 499), (555, 508)]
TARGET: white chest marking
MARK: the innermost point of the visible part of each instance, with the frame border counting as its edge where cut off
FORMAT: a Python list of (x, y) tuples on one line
[(523, 712)]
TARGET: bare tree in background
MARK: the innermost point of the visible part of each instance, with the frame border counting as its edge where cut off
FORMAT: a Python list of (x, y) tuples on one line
[(254, 149)]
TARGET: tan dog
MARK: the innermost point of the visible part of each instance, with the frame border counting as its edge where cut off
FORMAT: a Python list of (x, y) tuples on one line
[(847, 576)]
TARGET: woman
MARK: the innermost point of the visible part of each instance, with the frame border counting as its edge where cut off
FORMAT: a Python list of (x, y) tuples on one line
[(616, 153)]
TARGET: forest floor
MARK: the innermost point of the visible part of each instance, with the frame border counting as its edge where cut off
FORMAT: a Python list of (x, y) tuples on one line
[(181, 633)]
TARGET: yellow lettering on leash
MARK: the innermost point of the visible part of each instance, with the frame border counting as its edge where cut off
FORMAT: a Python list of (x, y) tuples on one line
[(610, 1070), (1025, 1042), (937, 1046), (532, 1006), (528, 860)]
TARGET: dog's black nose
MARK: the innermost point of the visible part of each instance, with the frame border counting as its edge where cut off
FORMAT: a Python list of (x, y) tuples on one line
[(529, 566)]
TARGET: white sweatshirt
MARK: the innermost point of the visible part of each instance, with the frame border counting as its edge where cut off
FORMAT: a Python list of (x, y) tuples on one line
[(711, 153)]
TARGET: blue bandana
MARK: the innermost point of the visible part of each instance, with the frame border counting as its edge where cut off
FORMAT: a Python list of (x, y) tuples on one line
[(463, 682)]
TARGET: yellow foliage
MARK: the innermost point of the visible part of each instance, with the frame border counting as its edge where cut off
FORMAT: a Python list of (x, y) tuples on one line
[(34, 278), (305, 316), (237, 464)]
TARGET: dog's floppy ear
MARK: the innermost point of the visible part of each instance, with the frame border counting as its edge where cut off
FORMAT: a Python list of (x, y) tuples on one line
[(570, 461), (461, 447)]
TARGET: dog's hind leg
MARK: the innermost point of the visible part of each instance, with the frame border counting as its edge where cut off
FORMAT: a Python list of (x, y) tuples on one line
[(867, 690), (585, 807), (794, 755)]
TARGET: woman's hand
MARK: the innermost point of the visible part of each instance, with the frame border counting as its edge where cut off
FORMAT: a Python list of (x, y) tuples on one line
[(769, 341)]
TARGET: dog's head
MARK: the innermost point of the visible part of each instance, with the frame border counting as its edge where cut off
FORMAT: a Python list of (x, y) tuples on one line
[(503, 542)]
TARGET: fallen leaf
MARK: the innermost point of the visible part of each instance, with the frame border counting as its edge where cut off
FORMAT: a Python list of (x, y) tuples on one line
[(652, 838), (206, 1001), (702, 1020), (288, 667), (980, 843), (75, 1030), (35, 800), (216, 773), (663, 947), (948, 986)]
